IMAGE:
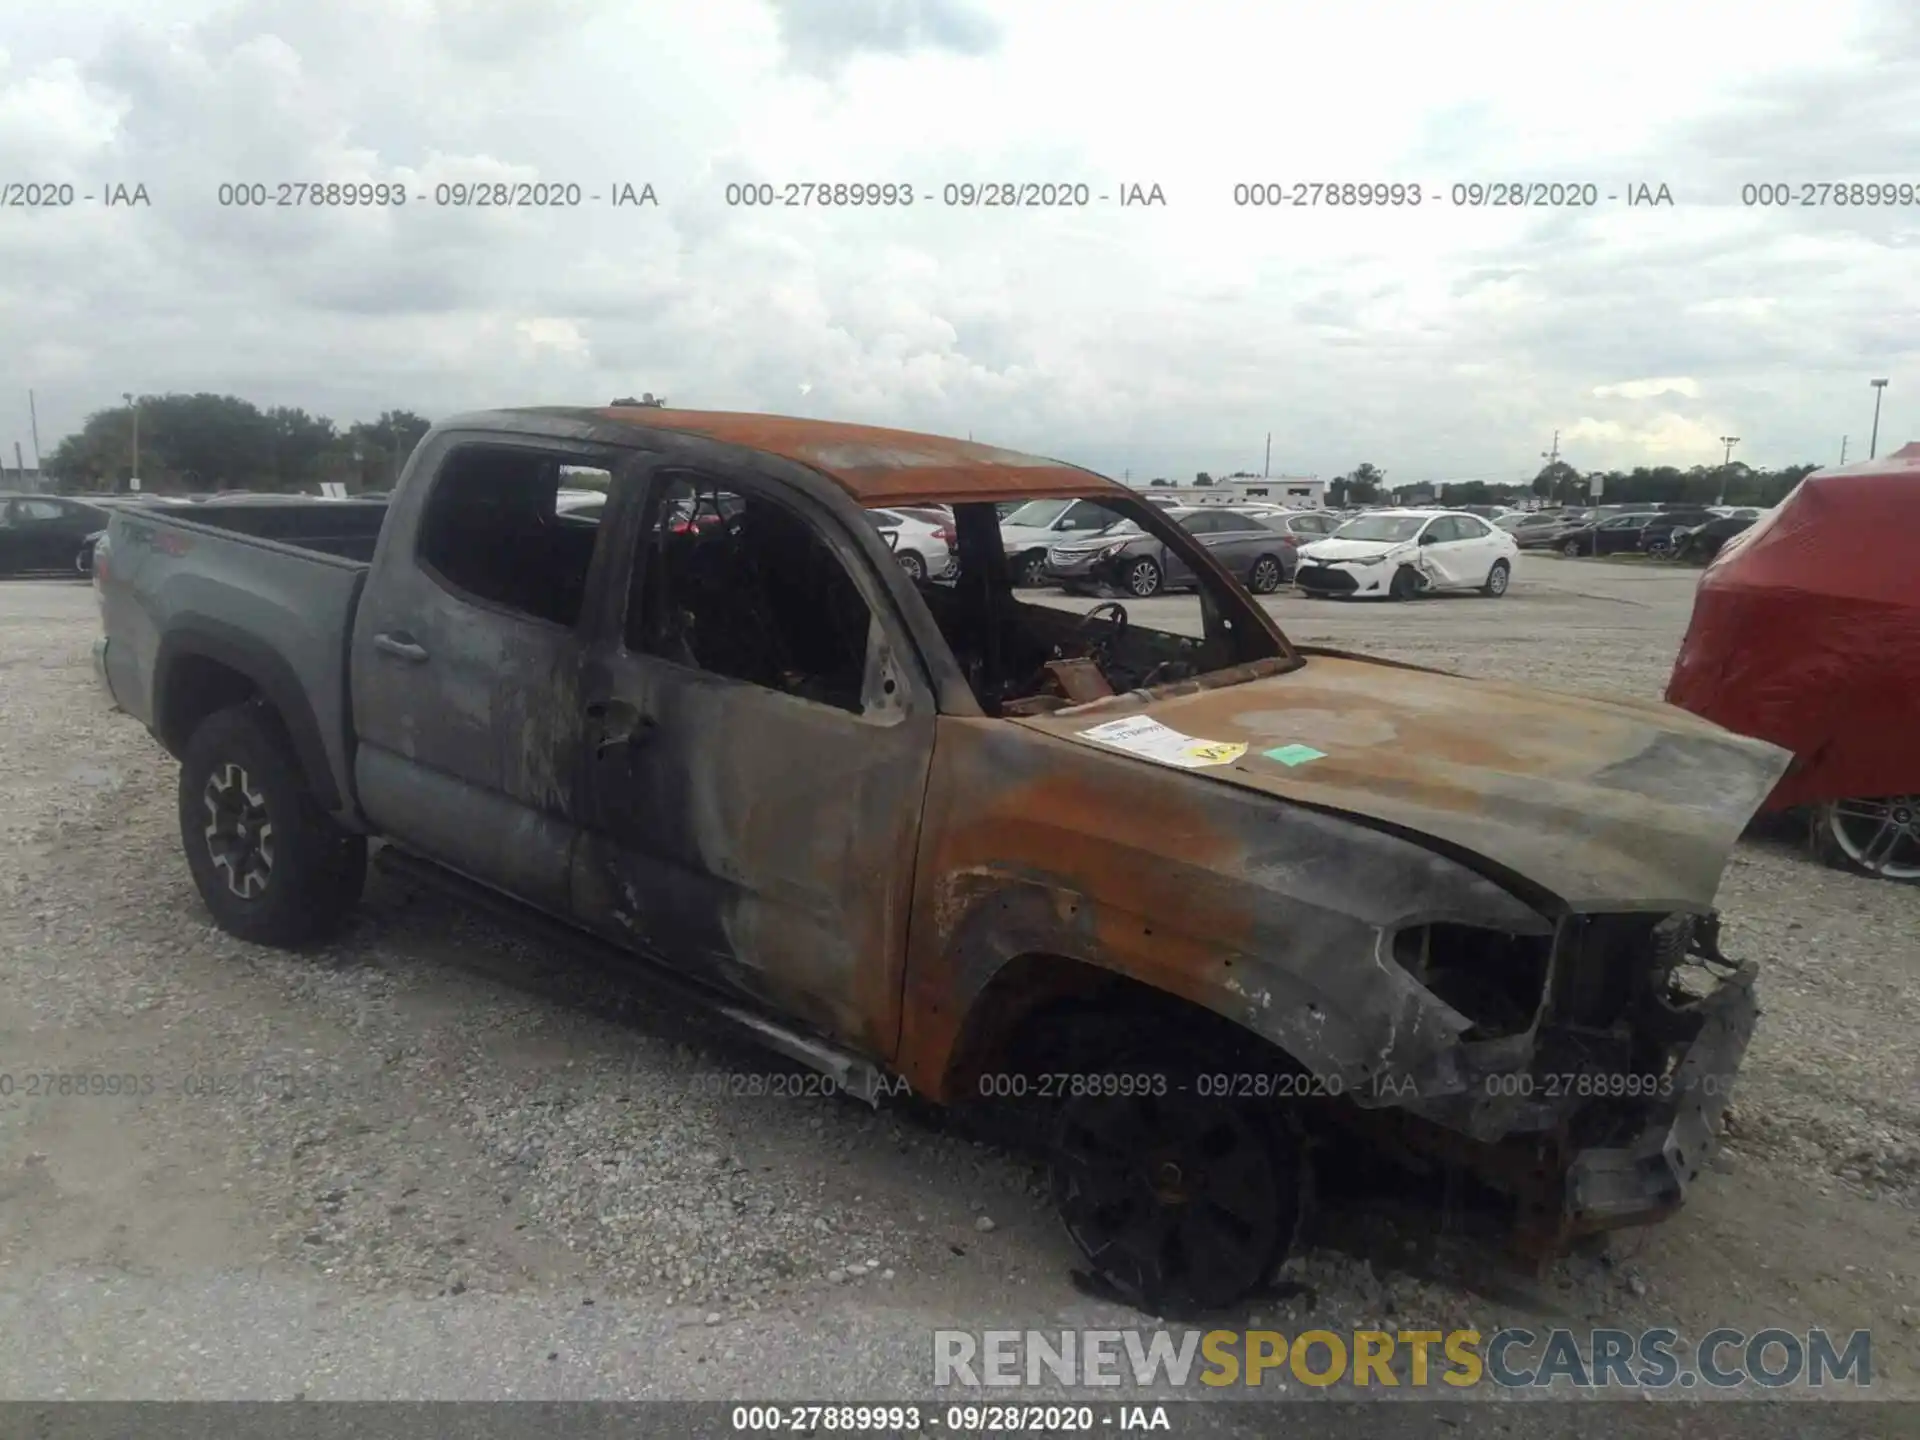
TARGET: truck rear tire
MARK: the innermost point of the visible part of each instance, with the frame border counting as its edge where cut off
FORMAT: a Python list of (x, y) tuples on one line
[(271, 865)]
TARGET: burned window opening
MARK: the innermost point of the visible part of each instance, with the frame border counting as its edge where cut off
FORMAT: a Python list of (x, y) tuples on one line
[(1495, 979), (741, 586), (1012, 649), (492, 531)]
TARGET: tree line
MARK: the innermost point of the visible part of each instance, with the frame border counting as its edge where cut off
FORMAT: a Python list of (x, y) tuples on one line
[(1559, 483), (205, 442)]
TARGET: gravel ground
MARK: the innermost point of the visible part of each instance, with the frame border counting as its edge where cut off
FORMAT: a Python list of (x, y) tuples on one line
[(436, 1162)]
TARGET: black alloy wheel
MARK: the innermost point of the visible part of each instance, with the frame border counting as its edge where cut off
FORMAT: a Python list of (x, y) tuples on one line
[(1181, 1202)]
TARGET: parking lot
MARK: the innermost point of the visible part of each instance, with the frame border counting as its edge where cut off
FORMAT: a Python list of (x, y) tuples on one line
[(432, 1161)]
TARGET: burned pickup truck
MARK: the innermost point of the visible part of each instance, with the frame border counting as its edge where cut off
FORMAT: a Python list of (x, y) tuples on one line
[(1193, 891)]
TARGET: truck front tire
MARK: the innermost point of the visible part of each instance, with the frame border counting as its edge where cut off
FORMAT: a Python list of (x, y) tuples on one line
[(271, 865), (1182, 1200)]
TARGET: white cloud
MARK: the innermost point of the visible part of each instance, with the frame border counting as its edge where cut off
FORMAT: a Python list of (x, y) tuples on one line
[(1648, 389), (1432, 341), (1665, 438)]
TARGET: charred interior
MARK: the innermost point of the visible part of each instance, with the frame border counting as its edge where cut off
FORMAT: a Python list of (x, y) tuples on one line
[(1022, 658)]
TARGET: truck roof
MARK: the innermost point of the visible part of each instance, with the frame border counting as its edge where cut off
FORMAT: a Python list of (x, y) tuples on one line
[(877, 466)]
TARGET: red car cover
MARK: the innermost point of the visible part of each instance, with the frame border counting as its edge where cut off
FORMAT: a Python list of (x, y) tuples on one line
[(1806, 632)]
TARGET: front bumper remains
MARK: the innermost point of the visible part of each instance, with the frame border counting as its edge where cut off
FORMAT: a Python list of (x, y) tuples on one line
[(1648, 1177), (1553, 1134)]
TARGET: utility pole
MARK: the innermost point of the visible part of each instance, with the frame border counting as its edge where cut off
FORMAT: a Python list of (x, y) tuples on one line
[(1552, 457), (1726, 464), (20, 464), (1879, 389), (132, 405), (33, 418), (1266, 467), (1843, 449)]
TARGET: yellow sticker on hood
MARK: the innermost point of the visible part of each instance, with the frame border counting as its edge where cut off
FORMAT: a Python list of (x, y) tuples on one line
[(1150, 740)]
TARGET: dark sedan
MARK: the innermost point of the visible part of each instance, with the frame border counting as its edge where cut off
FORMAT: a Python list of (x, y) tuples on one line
[(1612, 535), (1126, 558), (1544, 529), (1701, 545), (47, 532), (1657, 538)]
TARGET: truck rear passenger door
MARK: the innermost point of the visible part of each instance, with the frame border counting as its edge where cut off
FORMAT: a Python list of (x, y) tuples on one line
[(466, 657), (759, 729)]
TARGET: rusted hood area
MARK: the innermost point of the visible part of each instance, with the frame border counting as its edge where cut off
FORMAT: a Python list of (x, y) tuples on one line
[(1603, 804)]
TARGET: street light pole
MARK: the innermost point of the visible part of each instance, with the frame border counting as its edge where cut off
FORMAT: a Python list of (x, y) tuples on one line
[(1879, 389), (1726, 464), (133, 405)]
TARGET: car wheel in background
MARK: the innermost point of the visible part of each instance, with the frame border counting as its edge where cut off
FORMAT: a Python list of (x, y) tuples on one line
[(1879, 837), (1404, 586), (1143, 577), (1497, 578), (1030, 569), (1267, 575), (911, 562), (1571, 549), (271, 865)]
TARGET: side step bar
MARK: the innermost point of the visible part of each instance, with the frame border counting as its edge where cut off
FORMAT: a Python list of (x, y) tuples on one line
[(854, 1074)]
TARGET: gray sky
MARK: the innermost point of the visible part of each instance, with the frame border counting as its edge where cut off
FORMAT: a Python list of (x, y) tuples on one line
[(1436, 341)]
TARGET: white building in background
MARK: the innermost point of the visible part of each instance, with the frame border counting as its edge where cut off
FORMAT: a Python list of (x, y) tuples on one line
[(1293, 491)]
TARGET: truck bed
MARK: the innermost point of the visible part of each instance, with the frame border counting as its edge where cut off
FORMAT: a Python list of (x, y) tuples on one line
[(346, 528), (264, 589)]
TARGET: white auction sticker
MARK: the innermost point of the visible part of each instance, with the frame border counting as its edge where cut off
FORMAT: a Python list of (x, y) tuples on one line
[(1151, 740)]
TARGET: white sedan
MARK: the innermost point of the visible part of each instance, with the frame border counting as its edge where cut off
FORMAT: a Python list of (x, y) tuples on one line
[(921, 540), (1398, 554)]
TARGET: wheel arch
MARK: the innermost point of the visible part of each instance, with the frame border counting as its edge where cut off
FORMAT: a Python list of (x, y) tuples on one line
[(206, 665), (1028, 950)]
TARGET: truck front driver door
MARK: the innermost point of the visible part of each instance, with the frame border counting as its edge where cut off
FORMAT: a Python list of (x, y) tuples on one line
[(758, 735)]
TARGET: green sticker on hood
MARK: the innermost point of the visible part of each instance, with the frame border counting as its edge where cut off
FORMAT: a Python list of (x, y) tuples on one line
[(1294, 754)]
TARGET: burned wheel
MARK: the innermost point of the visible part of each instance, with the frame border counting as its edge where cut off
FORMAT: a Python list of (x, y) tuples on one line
[(1182, 1202), (1879, 837)]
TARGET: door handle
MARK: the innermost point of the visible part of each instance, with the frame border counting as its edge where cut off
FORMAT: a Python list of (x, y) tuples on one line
[(642, 731), (401, 646), (621, 726)]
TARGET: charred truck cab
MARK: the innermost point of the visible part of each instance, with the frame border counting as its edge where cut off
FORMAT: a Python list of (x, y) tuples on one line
[(1182, 895)]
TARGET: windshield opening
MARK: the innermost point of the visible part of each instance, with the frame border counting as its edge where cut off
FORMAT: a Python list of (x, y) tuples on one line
[(1030, 618), (1381, 527)]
